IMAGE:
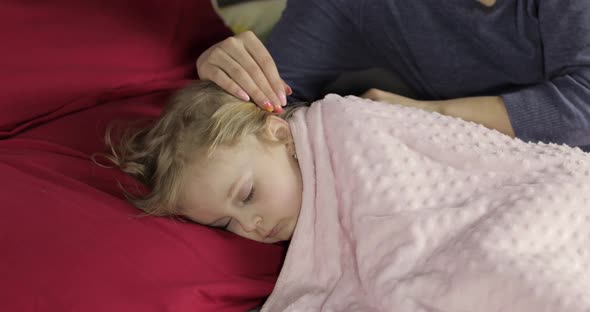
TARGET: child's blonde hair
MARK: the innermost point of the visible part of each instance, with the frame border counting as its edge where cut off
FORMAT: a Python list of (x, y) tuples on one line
[(199, 118)]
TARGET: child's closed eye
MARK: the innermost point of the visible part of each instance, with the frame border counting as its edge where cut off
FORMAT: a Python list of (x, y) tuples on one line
[(247, 200), (250, 196)]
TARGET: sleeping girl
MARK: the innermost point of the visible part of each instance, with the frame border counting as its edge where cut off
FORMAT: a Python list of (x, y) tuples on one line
[(219, 162), (386, 207)]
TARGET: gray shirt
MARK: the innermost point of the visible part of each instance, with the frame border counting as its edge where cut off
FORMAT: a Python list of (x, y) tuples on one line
[(533, 53)]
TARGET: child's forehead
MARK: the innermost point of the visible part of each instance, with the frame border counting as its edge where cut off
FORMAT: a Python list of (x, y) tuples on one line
[(211, 179), (207, 181), (223, 161)]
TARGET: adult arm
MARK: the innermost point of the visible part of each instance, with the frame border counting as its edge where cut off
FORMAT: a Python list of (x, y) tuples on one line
[(489, 111), (558, 110)]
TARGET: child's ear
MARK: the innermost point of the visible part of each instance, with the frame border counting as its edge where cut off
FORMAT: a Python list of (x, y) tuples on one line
[(277, 129)]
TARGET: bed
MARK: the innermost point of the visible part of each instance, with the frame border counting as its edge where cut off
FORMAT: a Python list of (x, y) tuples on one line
[(69, 241)]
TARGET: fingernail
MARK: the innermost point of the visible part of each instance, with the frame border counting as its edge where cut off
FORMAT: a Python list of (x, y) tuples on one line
[(282, 97), (267, 106), (243, 95), (278, 110)]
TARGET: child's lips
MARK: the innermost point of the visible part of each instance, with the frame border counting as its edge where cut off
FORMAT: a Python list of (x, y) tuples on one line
[(274, 231)]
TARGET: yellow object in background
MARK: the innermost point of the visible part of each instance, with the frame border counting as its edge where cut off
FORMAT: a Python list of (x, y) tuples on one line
[(259, 16)]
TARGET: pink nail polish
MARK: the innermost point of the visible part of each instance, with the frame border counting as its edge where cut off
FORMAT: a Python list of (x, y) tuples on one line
[(267, 106), (282, 97), (243, 95), (278, 110)]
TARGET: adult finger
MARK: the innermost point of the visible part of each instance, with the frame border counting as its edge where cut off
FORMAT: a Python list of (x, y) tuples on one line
[(220, 78), (236, 72), (208, 71), (237, 49), (265, 62), (287, 88), (373, 94)]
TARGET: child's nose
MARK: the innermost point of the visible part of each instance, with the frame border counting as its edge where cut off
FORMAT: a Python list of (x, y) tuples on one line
[(251, 223)]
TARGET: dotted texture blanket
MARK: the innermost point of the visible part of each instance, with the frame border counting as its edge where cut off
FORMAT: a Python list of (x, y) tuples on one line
[(405, 210)]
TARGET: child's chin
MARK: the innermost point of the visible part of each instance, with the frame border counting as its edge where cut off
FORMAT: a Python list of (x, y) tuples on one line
[(282, 242), (276, 240)]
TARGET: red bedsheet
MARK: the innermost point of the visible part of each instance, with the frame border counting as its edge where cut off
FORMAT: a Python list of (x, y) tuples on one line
[(68, 240)]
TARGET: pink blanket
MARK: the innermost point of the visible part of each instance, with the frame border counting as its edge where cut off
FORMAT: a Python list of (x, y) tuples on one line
[(405, 210)]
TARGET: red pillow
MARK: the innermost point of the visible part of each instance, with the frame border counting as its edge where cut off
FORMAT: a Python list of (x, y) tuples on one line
[(69, 241), (61, 56)]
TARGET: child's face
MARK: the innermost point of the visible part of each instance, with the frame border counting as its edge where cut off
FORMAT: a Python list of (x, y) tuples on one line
[(253, 188)]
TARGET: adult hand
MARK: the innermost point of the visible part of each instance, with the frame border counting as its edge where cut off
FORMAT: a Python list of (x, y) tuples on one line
[(243, 67), (384, 96)]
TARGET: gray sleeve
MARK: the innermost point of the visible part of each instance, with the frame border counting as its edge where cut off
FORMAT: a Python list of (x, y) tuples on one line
[(558, 110), (314, 42)]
